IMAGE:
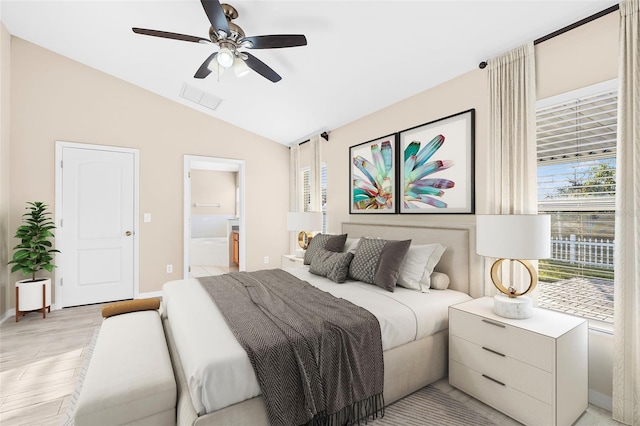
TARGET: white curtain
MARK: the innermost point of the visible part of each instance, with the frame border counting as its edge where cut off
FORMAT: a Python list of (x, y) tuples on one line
[(626, 358), (316, 174), (511, 180), (295, 190)]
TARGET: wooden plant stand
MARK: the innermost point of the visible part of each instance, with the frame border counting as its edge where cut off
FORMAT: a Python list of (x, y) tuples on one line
[(44, 308)]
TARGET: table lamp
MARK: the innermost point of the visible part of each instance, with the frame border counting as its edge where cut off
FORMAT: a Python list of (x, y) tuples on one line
[(520, 238), (305, 222)]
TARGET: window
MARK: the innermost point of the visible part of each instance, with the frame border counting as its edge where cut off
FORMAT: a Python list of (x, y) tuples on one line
[(576, 154), (306, 192)]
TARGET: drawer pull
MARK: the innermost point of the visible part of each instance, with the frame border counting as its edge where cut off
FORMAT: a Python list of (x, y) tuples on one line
[(493, 380), (493, 323), (492, 351)]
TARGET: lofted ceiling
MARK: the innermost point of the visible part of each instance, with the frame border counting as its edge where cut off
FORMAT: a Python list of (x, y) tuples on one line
[(361, 55)]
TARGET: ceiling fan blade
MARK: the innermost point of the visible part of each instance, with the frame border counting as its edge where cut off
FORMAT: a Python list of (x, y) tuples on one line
[(165, 34), (275, 41), (261, 68), (204, 70), (216, 15)]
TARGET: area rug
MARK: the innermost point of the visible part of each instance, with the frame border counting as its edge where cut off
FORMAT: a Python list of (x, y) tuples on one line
[(71, 410), (430, 407)]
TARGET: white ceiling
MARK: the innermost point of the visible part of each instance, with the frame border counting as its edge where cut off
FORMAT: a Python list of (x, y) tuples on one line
[(361, 55)]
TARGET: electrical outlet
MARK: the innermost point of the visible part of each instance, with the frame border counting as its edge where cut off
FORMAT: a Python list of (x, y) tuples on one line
[(266, 259), (169, 269)]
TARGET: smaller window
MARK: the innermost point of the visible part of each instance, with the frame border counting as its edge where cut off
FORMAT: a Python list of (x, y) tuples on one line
[(305, 175)]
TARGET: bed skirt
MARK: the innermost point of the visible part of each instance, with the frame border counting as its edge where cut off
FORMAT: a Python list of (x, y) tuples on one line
[(407, 368)]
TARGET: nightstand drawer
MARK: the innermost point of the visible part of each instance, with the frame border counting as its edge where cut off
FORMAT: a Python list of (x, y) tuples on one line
[(526, 346), (515, 374), (289, 261), (510, 401)]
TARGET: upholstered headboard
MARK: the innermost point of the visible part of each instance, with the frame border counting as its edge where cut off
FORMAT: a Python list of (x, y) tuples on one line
[(459, 260)]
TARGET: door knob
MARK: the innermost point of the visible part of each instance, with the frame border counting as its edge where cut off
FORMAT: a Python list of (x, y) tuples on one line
[(128, 233)]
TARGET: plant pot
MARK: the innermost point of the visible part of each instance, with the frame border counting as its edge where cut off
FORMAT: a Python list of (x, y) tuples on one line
[(33, 296)]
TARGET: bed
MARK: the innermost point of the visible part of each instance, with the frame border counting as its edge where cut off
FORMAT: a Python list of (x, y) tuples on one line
[(217, 386)]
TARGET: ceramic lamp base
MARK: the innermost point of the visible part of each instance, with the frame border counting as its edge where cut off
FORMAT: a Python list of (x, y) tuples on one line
[(512, 307)]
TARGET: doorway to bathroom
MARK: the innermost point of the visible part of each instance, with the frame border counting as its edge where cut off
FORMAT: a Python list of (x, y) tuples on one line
[(213, 216)]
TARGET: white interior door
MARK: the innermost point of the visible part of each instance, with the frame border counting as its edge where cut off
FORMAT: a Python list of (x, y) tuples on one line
[(97, 225)]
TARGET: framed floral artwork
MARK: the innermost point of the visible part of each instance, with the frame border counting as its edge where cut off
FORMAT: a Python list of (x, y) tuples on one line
[(372, 176), (436, 166)]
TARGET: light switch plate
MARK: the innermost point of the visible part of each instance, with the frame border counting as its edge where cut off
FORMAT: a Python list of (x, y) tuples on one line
[(147, 217)]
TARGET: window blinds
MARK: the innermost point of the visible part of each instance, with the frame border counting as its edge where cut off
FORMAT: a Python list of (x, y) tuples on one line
[(306, 192), (576, 154)]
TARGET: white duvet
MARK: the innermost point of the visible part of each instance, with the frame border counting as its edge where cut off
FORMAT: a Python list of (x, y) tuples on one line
[(218, 369)]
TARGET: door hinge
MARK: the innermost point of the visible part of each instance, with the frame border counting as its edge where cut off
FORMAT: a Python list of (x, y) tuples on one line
[(61, 223), (60, 163), (189, 268), (189, 175), (61, 282)]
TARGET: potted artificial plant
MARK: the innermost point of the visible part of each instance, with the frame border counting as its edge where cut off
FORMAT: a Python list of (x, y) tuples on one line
[(33, 254)]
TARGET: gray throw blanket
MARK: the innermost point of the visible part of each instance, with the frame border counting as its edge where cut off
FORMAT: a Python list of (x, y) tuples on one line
[(318, 359)]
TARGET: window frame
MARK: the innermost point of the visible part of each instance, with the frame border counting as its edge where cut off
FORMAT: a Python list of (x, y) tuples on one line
[(303, 207), (584, 92)]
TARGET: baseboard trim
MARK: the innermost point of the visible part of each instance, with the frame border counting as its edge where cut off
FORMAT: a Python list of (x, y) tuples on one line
[(149, 295), (11, 313), (601, 400)]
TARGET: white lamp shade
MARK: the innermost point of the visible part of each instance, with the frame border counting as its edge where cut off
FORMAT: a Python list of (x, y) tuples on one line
[(304, 221), (526, 236), (225, 57), (215, 67), (240, 67)]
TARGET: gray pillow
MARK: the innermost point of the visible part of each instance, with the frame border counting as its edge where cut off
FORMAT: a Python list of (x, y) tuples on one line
[(378, 262), (332, 265), (325, 241)]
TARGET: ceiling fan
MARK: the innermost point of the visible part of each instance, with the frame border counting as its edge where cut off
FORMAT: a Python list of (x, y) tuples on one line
[(230, 38)]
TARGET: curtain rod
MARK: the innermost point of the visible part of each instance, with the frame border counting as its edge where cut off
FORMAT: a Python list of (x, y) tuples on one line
[(568, 28), (325, 136)]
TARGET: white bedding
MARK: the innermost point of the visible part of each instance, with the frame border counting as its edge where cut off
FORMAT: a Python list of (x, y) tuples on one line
[(217, 368)]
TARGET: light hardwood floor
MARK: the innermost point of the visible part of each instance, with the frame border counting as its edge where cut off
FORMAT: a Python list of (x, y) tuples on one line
[(40, 360), (39, 363)]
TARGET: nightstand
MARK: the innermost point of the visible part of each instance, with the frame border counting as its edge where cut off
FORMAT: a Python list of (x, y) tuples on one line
[(534, 370), (291, 261)]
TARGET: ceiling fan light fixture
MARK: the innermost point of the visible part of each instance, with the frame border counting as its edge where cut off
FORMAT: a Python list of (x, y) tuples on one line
[(240, 67), (215, 67), (225, 57)]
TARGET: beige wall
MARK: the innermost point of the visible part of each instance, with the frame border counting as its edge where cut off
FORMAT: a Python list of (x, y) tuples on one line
[(55, 98), (584, 56), (5, 86), (211, 187), (462, 93), (578, 58)]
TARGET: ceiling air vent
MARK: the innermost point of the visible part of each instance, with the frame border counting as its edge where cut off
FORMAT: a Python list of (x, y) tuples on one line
[(199, 96)]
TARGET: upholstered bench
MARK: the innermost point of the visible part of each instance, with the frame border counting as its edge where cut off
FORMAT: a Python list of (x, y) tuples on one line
[(130, 379)]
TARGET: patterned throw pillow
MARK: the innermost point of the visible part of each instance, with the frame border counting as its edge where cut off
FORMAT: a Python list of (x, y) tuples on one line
[(378, 261), (325, 241), (332, 265)]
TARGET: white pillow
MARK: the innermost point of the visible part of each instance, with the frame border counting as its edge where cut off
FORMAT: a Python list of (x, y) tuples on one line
[(415, 272), (351, 245), (439, 281)]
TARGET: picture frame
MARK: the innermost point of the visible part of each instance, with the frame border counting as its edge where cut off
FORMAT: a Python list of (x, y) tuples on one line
[(436, 166), (373, 176)]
